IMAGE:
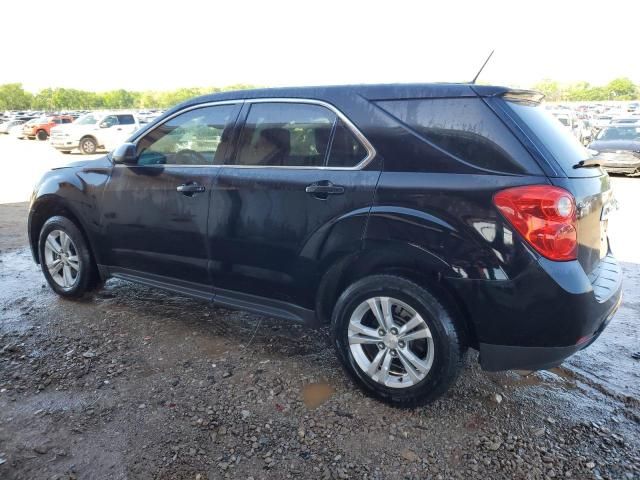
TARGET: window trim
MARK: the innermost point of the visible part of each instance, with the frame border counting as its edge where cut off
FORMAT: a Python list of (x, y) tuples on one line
[(371, 152)]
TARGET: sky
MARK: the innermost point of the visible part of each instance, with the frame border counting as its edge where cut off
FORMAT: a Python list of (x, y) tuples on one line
[(165, 44)]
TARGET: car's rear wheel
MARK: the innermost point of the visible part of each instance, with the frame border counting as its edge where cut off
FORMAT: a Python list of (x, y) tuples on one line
[(65, 258), (42, 135), (88, 146), (396, 340)]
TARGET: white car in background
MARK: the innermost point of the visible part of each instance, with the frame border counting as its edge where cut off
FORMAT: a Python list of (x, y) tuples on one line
[(94, 131)]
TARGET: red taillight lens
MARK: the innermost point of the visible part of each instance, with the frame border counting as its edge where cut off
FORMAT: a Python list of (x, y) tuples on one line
[(545, 216)]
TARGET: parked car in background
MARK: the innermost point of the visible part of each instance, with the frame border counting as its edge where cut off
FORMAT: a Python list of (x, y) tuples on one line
[(41, 127), (17, 131), (417, 220), (626, 121), (94, 131), (5, 126), (618, 148)]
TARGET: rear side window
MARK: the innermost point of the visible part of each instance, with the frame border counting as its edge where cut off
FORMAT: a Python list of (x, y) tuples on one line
[(297, 135), (285, 135), (125, 119), (557, 139), (346, 149), (66, 120), (465, 128)]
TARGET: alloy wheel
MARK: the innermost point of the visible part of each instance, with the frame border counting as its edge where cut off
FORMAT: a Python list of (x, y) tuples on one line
[(390, 342), (61, 259)]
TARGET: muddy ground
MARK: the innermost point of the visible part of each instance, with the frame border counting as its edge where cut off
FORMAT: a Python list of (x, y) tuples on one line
[(132, 382)]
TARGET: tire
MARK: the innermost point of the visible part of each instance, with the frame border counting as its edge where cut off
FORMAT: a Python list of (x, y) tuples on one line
[(88, 146), (75, 277), (41, 135), (439, 357)]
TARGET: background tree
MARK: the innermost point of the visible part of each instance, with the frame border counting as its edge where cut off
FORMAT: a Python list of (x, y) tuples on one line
[(13, 97)]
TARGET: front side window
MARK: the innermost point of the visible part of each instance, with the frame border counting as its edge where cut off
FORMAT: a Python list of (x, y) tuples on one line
[(109, 121), (191, 138)]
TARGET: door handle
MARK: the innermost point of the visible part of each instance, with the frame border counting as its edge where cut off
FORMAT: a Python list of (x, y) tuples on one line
[(323, 189), (189, 189)]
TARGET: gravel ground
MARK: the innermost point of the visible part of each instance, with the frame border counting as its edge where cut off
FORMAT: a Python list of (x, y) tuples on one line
[(131, 382)]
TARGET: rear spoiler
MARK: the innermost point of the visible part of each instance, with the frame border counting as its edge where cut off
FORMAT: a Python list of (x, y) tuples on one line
[(526, 97), (529, 97)]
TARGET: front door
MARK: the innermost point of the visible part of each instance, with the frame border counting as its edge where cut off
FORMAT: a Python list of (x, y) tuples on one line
[(294, 186), (154, 214)]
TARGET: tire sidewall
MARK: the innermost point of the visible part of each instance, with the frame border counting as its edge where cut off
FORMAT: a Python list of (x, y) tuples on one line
[(447, 349), (82, 249)]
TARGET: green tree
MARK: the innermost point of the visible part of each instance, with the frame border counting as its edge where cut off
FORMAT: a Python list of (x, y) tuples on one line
[(550, 88), (13, 97), (622, 89)]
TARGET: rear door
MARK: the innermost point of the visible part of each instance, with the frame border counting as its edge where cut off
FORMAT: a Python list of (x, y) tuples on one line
[(299, 169), (154, 215)]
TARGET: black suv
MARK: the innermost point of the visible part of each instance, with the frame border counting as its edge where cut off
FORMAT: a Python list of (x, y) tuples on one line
[(419, 220)]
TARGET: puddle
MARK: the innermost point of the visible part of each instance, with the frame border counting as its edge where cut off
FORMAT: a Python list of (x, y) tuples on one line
[(525, 378), (315, 394)]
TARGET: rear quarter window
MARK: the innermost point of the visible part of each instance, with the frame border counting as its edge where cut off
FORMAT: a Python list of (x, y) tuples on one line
[(466, 129)]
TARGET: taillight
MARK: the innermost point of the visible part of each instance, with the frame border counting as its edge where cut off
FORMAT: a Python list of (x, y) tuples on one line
[(545, 216)]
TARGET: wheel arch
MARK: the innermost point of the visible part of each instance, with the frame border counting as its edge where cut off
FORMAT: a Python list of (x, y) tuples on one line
[(44, 208), (406, 261)]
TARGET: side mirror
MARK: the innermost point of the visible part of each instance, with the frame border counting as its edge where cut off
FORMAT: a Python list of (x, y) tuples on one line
[(104, 125), (125, 153)]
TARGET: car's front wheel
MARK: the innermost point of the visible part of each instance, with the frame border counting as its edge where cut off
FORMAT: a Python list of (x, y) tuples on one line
[(88, 146), (42, 135), (65, 258), (396, 340)]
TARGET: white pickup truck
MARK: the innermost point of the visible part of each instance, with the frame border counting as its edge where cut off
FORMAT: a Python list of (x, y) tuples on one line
[(94, 131)]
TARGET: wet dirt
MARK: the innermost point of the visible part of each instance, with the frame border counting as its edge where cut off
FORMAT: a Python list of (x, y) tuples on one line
[(315, 394), (131, 382)]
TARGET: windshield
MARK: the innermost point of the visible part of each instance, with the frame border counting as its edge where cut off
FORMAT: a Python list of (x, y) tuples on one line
[(620, 133), (87, 119), (560, 143)]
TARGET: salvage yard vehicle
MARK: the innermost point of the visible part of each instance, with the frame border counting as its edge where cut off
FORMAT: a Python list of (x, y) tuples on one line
[(41, 127), (418, 220), (618, 148), (94, 131)]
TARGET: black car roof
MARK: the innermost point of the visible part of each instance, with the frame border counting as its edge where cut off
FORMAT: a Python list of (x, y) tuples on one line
[(370, 92)]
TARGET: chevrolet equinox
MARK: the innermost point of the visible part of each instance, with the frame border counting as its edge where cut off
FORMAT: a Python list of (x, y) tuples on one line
[(418, 220)]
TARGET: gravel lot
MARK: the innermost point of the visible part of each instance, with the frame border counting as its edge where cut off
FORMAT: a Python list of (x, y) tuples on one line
[(132, 382)]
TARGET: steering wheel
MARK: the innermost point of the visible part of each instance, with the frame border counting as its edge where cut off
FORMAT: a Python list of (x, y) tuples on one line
[(187, 156)]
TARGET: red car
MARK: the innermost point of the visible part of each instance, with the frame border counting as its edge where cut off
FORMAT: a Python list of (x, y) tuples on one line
[(41, 129)]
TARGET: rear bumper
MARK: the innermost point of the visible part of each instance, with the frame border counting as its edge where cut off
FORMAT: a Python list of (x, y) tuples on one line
[(543, 316), (494, 358)]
